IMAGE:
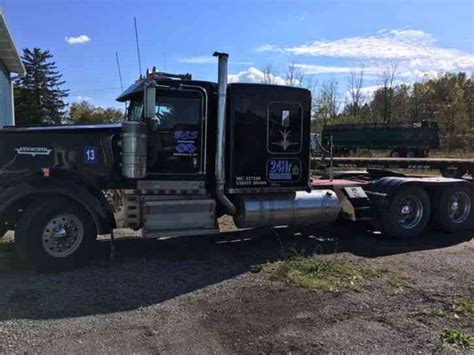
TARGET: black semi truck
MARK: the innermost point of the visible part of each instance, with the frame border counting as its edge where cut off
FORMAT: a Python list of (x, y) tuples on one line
[(189, 152)]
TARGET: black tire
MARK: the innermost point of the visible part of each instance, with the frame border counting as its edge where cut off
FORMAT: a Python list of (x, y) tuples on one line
[(396, 223), (412, 154), (396, 154), (50, 250), (454, 173), (450, 220)]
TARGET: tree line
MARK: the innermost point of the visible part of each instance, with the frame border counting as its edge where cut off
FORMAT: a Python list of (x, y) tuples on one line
[(39, 96), (447, 99)]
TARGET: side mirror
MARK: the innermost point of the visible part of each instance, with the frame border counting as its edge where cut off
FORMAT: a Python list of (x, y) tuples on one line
[(149, 96)]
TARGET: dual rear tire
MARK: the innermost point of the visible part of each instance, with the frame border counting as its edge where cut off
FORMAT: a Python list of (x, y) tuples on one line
[(454, 209), (410, 211)]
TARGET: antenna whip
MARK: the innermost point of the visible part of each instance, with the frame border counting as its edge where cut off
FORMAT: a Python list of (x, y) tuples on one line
[(138, 47)]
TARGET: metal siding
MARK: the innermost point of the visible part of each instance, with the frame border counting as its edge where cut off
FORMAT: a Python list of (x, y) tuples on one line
[(6, 109)]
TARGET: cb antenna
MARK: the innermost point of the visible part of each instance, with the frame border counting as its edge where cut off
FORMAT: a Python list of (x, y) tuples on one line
[(119, 71), (138, 46), (120, 75)]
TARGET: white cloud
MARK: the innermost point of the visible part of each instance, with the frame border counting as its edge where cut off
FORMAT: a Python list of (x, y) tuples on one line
[(269, 48), (81, 39), (254, 75), (83, 98), (207, 59), (311, 69), (200, 59), (415, 51)]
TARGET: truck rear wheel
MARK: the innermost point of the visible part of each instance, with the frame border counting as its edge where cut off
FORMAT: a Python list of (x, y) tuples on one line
[(408, 213), (454, 209), (54, 235)]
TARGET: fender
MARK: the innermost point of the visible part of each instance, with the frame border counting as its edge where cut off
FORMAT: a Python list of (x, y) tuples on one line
[(89, 197), (381, 190)]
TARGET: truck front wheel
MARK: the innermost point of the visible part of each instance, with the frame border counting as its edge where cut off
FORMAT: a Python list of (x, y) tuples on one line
[(407, 214), (55, 234)]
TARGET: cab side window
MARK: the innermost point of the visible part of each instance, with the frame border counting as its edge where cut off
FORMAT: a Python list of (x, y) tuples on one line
[(171, 111)]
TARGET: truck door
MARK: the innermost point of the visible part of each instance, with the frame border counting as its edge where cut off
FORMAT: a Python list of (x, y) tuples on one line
[(176, 146)]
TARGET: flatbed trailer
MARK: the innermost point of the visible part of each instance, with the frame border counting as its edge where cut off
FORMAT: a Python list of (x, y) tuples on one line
[(446, 166), (410, 140)]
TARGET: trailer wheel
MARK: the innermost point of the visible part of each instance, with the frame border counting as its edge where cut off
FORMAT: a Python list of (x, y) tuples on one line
[(412, 154), (408, 213), (454, 209), (55, 234), (396, 154)]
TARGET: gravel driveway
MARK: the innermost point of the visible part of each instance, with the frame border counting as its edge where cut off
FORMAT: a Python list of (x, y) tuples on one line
[(199, 295)]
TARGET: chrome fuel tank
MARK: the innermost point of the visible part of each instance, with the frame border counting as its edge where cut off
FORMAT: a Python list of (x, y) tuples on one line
[(298, 208), (134, 148)]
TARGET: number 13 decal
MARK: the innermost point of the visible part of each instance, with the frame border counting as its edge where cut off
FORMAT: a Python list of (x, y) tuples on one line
[(90, 155)]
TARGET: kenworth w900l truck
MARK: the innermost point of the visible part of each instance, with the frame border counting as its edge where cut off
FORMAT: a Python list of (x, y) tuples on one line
[(189, 152)]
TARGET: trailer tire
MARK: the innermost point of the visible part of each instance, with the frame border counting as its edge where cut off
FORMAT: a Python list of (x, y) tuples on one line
[(396, 154), (55, 235), (454, 209), (408, 213), (412, 154)]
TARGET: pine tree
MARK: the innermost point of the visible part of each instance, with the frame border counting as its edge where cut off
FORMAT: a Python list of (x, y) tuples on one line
[(39, 98)]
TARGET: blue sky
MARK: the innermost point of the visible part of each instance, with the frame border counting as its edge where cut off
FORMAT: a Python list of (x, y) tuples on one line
[(325, 39)]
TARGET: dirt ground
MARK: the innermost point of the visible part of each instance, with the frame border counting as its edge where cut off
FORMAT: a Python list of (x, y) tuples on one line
[(205, 295)]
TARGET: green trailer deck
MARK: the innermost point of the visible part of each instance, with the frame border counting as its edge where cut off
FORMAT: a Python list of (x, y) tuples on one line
[(403, 139)]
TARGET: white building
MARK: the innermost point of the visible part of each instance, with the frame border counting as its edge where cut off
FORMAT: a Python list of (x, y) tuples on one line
[(10, 63)]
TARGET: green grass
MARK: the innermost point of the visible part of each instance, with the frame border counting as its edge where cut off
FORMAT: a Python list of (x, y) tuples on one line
[(316, 273), (433, 313), (396, 281), (464, 306), (457, 339)]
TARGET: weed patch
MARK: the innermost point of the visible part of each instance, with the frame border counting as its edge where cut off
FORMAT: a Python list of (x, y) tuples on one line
[(316, 273), (464, 306), (433, 313), (455, 338), (396, 281)]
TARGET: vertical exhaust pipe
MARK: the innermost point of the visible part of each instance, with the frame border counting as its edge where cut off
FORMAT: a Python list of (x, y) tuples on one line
[(221, 131)]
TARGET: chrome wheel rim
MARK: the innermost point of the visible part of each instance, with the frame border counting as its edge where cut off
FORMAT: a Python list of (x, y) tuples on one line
[(459, 207), (62, 235), (410, 212)]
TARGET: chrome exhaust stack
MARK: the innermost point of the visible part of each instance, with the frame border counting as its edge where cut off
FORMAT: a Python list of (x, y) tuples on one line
[(221, 129)]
